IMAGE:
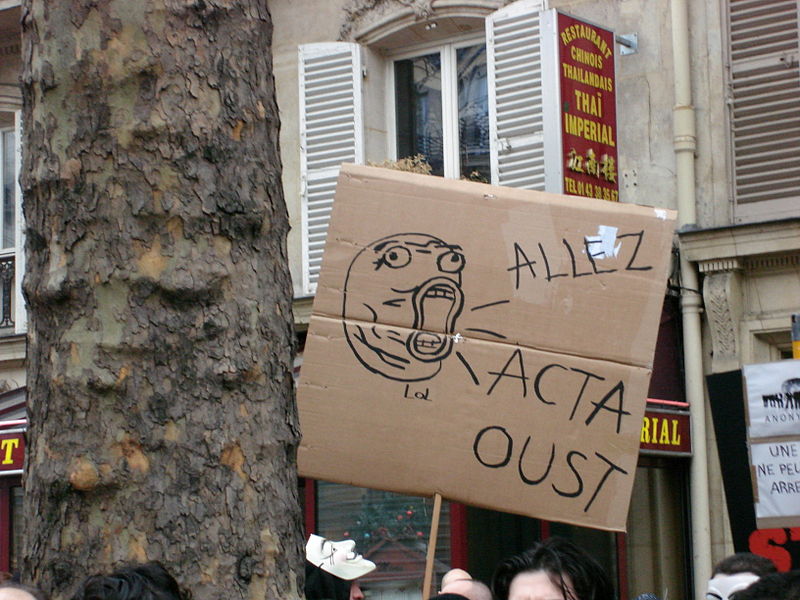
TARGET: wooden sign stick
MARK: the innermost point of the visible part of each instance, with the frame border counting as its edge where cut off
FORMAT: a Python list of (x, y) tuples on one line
[(426, 583)]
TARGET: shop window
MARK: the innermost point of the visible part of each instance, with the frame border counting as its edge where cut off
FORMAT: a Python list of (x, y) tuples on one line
[(15, 551), (493, 536), (442, 110), (391, 530), (11, 523)]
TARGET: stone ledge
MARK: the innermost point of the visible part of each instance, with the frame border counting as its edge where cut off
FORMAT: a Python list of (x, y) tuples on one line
[(715, 246)]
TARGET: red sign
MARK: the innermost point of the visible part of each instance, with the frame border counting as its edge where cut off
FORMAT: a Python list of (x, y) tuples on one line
[(12, 451), (588, 109), (781, 546), (666, 432)]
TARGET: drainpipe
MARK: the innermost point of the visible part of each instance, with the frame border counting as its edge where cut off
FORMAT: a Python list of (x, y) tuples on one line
[(685, 144)]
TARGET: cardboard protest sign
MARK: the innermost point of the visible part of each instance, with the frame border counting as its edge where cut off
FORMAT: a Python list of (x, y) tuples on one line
[(489, 344), (773, 427)]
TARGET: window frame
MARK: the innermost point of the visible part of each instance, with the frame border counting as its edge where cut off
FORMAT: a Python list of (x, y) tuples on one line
[(447, 49), (20, 310), (17, 301)]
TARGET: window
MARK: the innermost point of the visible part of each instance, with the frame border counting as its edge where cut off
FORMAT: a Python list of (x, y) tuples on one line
[(472, 105), (9, 189), (10, 215), (442, 110)]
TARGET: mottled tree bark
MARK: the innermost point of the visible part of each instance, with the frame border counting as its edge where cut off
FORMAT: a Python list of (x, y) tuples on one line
[(162, 419)]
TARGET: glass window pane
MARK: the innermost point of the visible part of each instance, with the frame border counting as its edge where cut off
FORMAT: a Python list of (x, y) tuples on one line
[(389, 529), (9, 189), (418, 101), (473, 113)]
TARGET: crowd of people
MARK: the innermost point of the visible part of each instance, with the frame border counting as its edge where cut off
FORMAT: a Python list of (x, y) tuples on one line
[(149, 581), (554, 569)]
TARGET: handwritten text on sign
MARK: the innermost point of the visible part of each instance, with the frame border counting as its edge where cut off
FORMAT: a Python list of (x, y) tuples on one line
[(777, 469)]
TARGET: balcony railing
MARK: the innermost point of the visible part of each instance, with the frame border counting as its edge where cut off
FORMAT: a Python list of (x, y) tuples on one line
[(6, 291)]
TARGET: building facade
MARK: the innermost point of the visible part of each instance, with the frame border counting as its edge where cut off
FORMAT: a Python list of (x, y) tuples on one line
[(707, 96), (12, 308), (706, 100)]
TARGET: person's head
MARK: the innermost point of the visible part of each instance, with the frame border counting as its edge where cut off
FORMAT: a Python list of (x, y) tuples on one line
[(735, 573), (745, 562), (332, 568), (149, 581), (777, 586), (454, 575), (554, 569), (10, 590), (321, 585), (468, 588)]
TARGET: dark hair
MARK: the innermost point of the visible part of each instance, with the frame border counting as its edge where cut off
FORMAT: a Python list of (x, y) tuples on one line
[(321, 585), (14, 585), (150, 581), (744, 562), (566, 565), (777, 586)]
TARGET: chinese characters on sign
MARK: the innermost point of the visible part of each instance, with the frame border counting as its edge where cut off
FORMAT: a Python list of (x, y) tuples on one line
[(588, 109)]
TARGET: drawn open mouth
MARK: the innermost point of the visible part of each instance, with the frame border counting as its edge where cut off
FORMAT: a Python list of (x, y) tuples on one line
[(437, 304)]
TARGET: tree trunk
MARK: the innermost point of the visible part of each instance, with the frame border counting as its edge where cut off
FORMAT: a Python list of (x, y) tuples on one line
[(162, 418)]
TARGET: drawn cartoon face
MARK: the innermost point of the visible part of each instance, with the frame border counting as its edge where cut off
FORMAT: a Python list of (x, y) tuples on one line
[(411, 279)]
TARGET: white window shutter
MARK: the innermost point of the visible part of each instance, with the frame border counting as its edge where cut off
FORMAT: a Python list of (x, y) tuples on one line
[(765, 107), (516, 113), (331, 133), (20, 313)]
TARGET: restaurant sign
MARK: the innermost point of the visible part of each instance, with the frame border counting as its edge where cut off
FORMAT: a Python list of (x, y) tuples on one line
[(666, 433), (583, 55), (12, 452)]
